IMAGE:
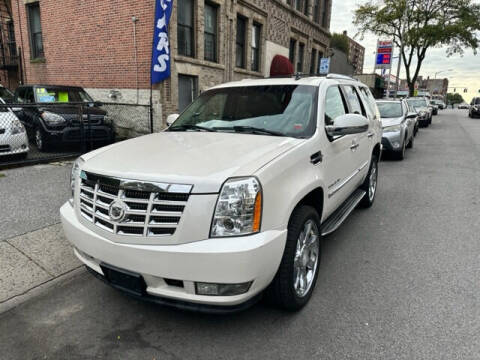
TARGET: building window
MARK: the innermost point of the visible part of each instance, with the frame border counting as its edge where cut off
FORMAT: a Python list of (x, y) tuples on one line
[(301, 51), (240, 42), (325, 14), (320, 56), (312, 61), (35, 28), (305, 7), (256, 34), (187, 90), (291, 51), (316, 10), (298, 4), (210, 32), (185, 28)]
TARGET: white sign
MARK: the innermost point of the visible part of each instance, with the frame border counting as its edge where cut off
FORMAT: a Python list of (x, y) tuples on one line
[(324, 66)]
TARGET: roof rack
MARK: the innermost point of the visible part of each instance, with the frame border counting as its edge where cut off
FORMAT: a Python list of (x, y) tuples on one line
[(340, 76)]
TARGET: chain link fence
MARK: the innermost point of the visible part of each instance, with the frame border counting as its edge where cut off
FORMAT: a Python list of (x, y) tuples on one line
[(41, 132)]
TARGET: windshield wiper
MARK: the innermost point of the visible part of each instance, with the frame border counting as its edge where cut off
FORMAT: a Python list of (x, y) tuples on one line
[(252, 130), (191, 127)]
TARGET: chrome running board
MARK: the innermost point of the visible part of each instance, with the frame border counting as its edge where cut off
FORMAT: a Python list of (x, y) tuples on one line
[(338, 217)]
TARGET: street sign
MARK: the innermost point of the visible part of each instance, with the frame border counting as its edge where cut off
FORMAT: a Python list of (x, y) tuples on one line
[(324, 66), (384, 55)]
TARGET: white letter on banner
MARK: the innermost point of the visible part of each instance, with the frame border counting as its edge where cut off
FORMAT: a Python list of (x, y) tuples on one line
[(163, 5), (163, 42), (162, 59), (161, 22)]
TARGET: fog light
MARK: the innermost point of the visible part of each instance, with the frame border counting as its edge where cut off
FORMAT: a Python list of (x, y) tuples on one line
[(212, 289), (396, 144)]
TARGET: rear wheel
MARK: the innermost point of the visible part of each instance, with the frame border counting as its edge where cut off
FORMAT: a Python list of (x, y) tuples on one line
[(370, 184), (296, 277)]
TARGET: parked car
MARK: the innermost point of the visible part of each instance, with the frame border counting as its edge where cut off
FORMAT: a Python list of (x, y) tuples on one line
[(233, 198), (398, 125), (463, 105), (13, 137), (438, 103), (474, 109), (50, 120), (6, 95), (420, 105)]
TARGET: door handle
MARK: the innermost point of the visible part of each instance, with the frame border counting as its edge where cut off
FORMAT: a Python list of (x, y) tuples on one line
[(354, 147), (316, 158), (370, 135)]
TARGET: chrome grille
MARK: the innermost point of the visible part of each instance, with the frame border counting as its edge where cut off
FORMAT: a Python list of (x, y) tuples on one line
[(151, 209)]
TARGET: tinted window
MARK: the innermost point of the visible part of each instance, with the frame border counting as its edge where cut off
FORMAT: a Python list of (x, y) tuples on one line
[(6, 95), (354, 100), (477, 101), (61, 95), (369, 101), (286, 109), (334, 105), (417, 103), (390, 109)]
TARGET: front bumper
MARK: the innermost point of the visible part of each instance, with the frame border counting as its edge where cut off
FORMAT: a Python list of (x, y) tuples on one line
[(392, 141), (13, 144), (253, 258), (95, 133)]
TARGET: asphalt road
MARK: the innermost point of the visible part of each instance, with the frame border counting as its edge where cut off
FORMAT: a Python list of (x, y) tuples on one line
[(397, 281)]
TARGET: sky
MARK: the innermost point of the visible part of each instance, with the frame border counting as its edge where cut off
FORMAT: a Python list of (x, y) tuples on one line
[(462, 72)]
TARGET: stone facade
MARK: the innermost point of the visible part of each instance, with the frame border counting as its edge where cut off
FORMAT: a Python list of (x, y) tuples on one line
[(96, 44)]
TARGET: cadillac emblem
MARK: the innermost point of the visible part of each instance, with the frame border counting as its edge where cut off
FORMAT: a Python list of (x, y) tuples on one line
[(117, 210)]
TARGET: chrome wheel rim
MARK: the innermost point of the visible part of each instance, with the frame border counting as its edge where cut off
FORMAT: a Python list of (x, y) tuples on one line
[(38, 139), (306, 258), (372, 187)]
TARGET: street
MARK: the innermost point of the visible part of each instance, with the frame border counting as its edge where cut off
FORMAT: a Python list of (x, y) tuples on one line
[(397, 281)]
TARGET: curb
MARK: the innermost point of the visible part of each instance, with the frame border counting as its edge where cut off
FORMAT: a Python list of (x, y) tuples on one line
[(30, 162), (17, 300)]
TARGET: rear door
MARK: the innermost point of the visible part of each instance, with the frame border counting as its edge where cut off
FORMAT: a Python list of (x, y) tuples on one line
[(361, 143)]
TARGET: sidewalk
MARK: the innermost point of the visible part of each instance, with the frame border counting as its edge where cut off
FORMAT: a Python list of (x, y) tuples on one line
[(32, 261)]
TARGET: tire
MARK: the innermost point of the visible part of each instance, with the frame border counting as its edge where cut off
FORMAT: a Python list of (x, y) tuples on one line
[(370, 184), (410, 143), (286, 291), (40, 140), (400, 155)]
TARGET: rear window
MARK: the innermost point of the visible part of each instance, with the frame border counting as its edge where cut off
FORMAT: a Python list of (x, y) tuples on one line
[(390, 109)]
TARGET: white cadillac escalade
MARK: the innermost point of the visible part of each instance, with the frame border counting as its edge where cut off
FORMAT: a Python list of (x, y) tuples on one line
[(233, 199)]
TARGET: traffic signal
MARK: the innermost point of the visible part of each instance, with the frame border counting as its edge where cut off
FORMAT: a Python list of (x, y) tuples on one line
[(465, 90), (454, 90)]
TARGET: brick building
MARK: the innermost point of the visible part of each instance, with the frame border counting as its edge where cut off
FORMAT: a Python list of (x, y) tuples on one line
[(105, 45), (9, 62), (356, 54)]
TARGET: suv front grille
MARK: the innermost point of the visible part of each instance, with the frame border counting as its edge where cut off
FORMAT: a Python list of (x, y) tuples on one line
[(150, 209)]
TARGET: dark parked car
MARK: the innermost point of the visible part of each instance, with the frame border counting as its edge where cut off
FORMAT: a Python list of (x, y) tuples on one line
[(474, 110), (54, 119)]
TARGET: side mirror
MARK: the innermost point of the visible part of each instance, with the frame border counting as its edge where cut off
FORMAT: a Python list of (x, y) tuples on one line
[(411, 115), (171, 119), (347, 124)]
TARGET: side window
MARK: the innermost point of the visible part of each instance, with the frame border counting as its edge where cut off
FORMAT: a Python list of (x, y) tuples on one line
[(369, 101), (29, 95), (20, 95), (356, 106), (334, 105)]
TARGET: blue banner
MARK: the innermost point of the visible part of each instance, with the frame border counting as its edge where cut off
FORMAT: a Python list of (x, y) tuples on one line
[(161, 49)]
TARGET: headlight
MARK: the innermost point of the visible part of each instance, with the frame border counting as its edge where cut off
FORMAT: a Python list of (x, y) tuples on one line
[(394, 128), (52, 118), (422, 113), (239, 208), (74, 176), (17, 127)]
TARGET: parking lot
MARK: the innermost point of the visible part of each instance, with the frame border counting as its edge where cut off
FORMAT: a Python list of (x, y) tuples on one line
[(399, 281)]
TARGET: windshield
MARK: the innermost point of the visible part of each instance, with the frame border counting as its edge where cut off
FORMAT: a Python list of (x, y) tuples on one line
[(61, 95), (477, 101), (286, 110), (417, 103), (6, 95), (390, 109)]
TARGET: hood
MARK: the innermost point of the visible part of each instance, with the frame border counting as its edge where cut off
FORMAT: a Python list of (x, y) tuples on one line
[(391, 121), (422, 108), (203, 159)]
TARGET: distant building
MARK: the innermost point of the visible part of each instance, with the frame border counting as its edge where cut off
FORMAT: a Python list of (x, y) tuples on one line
[(356, 54), (435, 86), (9, 61)]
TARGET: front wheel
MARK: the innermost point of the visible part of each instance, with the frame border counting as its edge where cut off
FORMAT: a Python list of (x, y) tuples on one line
[(295, 280), (370, 184), (410, 143), (40, 140)]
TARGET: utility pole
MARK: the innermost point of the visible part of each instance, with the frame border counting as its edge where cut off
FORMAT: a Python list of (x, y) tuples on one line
[(404, 20)]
